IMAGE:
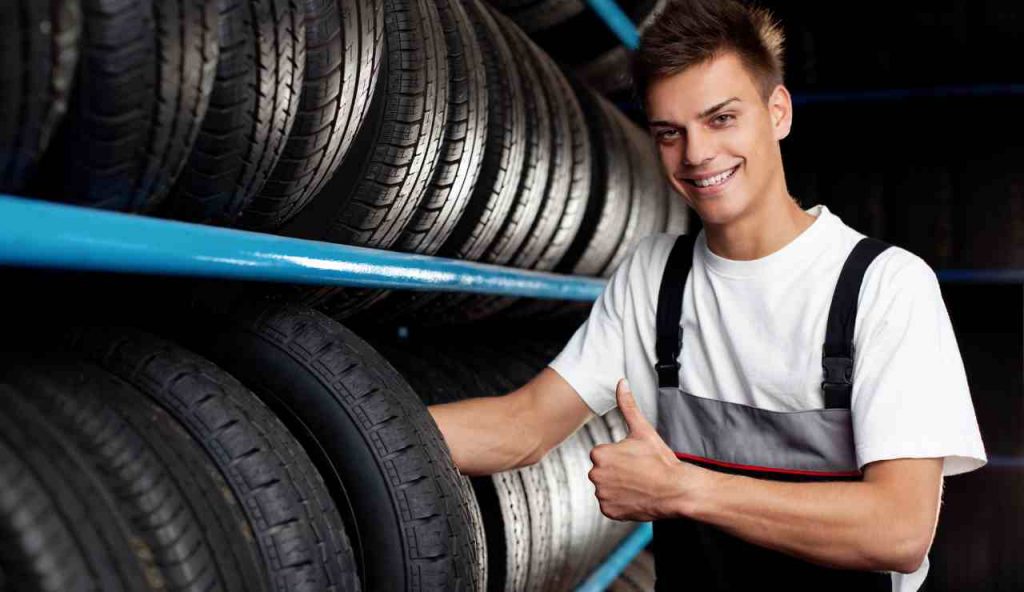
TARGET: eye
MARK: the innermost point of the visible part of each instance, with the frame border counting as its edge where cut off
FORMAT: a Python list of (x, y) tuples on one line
[(666, 135), (724, 118)]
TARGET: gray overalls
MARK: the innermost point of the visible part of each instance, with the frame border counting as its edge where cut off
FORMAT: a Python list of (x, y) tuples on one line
[(813, 445)]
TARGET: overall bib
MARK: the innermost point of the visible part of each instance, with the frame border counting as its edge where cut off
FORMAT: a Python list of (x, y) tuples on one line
[(813, 445)]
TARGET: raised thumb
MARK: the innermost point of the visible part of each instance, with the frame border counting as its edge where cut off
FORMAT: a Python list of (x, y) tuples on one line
[(635, 419)]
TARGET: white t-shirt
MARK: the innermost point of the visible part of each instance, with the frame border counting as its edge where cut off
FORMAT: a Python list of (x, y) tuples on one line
[(753, 333)]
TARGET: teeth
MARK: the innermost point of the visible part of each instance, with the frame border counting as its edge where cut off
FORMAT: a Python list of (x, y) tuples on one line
[(717, 179)]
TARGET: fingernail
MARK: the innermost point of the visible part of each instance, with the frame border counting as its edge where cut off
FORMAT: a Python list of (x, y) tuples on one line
[(625, 383)]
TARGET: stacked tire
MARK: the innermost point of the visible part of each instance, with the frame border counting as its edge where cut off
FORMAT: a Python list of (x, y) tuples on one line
[(543, 525), (269, 447), (557, 25), (133, 463), (566, 184), (151, 469), (426, 126)]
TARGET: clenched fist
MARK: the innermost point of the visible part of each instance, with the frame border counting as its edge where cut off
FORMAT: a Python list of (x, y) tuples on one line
[(640, 477)]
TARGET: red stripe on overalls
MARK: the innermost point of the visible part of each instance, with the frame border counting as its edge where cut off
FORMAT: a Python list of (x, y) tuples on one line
[(709, 461)]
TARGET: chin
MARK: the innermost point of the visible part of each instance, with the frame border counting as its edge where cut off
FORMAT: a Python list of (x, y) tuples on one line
[(719, 210)]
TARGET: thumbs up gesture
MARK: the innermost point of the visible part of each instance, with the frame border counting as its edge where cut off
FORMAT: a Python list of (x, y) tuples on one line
[(639, 478)]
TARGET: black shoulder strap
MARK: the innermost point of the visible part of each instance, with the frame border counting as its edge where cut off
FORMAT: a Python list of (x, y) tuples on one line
[(670, 309), (837, 353)]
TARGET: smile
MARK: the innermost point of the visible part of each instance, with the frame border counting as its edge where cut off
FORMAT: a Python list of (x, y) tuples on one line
[(714, 181)]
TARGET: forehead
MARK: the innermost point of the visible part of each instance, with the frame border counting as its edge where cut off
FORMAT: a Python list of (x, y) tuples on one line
[(682, 96)]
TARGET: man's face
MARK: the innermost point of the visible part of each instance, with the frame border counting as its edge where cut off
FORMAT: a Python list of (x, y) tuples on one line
[(712, 128)]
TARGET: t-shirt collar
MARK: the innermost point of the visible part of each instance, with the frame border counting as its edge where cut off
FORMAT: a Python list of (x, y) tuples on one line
[(789, 257)]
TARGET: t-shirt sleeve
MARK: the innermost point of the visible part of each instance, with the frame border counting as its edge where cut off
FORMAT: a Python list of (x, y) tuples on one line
[(910, 395), (594, 358)]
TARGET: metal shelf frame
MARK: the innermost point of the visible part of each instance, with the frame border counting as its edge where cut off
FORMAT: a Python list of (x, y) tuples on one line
[(55, 236)]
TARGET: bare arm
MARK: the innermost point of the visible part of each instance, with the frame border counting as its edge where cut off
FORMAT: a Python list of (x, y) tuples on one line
[(492, 434), (887, 522)]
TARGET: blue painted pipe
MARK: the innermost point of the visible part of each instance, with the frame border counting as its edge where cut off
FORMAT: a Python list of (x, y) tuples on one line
[(889, 94), (896, 94), (43, 234), (617, 21), (1005, 462), (622, 556), (981, 276)]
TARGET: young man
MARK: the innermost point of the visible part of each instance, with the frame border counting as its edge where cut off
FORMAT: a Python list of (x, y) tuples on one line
[(797, 390)]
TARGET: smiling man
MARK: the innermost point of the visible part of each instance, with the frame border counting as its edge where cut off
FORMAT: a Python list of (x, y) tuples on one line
[(797, 390)]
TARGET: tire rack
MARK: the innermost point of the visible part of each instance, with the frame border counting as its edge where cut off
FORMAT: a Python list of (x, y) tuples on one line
[(55, 236)]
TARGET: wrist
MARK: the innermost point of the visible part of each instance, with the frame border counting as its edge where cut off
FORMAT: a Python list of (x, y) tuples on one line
[(694, 484)]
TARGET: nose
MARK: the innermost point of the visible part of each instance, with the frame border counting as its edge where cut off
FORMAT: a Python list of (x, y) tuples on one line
[(699, 149)]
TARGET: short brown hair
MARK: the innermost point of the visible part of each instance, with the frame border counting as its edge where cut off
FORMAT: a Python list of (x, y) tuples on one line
[(691, 32)]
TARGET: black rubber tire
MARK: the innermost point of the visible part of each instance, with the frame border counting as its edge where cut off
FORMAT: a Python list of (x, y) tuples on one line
[(165, 487), (533, 180), (457, 172), (609, 72), (371, 199), (506, 374), (501, 497), (505, 150), (369, 434), (252, 108), (433, 384), (60, 529), (531, 192), (344, 47), (571, 177), (38, 55), (496, 186), (296, 527), (648, 204), (538, 15), (145, 76), (607, 209), (464, 141), (567, 190), (541, 520), (561, 40)]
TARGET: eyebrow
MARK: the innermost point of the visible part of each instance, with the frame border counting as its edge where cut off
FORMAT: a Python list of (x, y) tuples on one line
[(705, 113)]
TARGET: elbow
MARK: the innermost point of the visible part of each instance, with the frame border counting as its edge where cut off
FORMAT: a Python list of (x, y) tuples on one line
[(912, 561), (909, 556)]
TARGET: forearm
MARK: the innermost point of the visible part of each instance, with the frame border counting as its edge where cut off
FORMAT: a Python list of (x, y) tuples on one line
[(486, 435), (845, 525)]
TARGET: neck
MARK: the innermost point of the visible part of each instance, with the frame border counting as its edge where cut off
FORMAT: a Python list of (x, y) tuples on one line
[(760, 232)]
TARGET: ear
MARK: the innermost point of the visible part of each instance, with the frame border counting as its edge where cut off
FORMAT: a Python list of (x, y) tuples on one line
[(780, 109)]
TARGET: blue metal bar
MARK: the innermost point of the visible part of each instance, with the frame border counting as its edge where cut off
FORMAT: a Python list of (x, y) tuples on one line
[(896, 94), (617, 21), (890, 94), (42, 234), (621, 557), (981, 276), (1005, 462)]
